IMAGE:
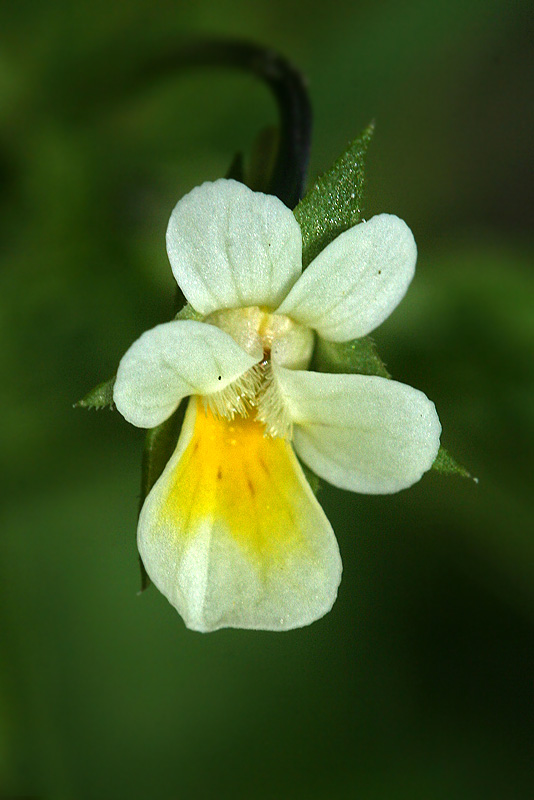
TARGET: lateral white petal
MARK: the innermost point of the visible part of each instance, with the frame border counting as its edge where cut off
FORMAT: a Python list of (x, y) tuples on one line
[(231, 247), (361, 432), (356, 281), (232, 534), (172, 361)]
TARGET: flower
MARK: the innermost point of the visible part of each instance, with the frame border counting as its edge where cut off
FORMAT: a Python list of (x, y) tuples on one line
[(231, 533)]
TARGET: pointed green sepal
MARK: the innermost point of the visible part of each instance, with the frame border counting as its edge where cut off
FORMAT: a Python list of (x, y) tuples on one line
[(358, 356), (447, 465), (160, 443), (313, 479), (99, 397), (145, 580), (334, 204), (236, 170), (188, 312), (262, 162)]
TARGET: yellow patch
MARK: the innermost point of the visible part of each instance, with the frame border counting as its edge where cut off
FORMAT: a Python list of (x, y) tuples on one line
[(230, 472)]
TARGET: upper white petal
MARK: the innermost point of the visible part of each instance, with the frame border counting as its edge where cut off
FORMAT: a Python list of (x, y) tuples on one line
[(361, 432), (231, 247), (232, 534), (356, 281), (172, 361)]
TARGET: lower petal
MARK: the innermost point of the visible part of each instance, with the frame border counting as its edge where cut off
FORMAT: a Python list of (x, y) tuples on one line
[(232, 534)]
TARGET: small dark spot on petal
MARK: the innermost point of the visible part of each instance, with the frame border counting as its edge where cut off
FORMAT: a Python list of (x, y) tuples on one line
[(195, 448), (251, 487), (220, 377), (380, 272), (264, 465), (219, 474)]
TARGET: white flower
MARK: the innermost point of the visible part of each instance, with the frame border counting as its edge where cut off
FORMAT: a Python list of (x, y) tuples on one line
[(231, 533)]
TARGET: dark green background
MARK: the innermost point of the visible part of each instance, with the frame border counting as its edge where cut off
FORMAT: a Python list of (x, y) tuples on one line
[(419, 683)]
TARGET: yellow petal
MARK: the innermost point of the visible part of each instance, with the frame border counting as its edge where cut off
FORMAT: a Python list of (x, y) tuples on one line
[(232, 534)]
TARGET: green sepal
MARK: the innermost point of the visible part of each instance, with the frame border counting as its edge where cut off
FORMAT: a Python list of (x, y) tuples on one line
[(334, 204), (99, 397), (262, 162), (145, 580), (188, 312), (447, 465), (236, 170), (160, 443), (257, 175), (358, 356), (313, 479)]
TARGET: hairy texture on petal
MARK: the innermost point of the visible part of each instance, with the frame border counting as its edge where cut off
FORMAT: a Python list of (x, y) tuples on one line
[(231, 247), (231, 533), (361, 432), (357, 281), (172, 361)]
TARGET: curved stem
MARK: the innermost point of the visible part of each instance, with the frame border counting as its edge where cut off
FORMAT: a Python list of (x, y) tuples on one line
[(288, 88), (283, 79)]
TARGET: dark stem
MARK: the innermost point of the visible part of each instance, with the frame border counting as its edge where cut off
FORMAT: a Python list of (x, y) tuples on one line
[(285, 82)]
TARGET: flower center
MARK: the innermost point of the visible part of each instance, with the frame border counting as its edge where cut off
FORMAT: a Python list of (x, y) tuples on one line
[(282, 342), (257, 329)]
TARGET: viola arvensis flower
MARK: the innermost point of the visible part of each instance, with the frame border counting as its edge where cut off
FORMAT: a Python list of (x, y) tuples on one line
[(231, 533)]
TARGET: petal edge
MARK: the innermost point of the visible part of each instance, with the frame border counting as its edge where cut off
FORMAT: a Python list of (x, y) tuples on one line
[(355, 283), (230, 247), (362, 433), (171, 361)]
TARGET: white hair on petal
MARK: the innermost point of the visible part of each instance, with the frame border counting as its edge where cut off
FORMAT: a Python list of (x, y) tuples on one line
[(238, 397), (255, 391), (272, 411)]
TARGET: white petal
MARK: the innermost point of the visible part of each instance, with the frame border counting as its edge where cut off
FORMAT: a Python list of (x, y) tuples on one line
[(232, 534), (361, 432), (231, 247), (357, 281), (172, 361)]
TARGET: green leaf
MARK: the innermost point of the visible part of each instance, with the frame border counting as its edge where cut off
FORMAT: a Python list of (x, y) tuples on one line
[(359, 356), (160, 443), (334, 204), (99, 397), (447, 465)]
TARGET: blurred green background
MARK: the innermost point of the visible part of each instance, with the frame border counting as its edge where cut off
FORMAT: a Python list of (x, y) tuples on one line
[(419, 683)]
